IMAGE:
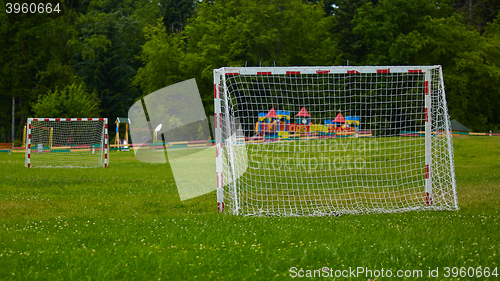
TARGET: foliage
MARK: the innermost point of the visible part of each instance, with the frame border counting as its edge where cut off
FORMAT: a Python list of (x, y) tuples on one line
[(175, 14), (384, 25), (111, 37), (474, 81), (276, 32), (36, 54), (477, 13), (225, 33), (70, 102), (423, 33), (350, 44), (164, 56), (470, 68), (125, 49)]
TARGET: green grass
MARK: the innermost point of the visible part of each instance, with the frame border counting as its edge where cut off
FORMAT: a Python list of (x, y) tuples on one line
[(127, 222), (344, 174)]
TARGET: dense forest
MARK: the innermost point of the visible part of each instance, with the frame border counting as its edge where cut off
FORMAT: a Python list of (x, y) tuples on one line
[(96, 58)]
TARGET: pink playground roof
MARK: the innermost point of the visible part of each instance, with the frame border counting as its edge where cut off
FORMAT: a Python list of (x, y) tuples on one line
[(339, 119), (303, 113), (271, 113)]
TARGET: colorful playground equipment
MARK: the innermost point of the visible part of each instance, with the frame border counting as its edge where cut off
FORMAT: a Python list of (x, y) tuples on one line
[(122, 143), (276, 124)]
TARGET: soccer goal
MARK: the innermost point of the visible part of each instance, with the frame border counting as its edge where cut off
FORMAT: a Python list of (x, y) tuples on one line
[(332, 140), (66, 143)]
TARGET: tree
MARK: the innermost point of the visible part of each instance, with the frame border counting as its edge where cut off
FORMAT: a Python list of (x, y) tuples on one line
[(471, 68), (383, 25), (175, 14), (236, 33), (70, 102), (111, 36), (163, 54), (36, 56), (474, 81), (477, 13), (261, 33), (350, 44)]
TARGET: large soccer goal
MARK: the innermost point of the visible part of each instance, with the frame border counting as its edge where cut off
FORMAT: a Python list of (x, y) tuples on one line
[(66, 143), (332, 140)]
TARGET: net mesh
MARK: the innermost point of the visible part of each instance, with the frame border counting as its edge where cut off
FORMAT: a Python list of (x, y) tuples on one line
[(333, 143), (66, 144)]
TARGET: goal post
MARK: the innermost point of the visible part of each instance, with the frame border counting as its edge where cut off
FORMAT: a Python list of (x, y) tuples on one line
[(66, 143), (332, 140)]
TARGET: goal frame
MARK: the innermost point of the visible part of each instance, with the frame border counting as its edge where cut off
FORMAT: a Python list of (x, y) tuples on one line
[(221, 101), (29, 137)]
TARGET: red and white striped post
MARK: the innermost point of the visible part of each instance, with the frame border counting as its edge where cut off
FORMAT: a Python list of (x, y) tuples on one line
[(428, 137), (218, 143), (28, 144), (106, 159)]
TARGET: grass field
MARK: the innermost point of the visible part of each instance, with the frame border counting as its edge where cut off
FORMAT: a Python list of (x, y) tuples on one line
[(127, 222), (335, 175)]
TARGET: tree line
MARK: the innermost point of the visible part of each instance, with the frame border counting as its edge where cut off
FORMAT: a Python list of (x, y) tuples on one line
[(96, 58)]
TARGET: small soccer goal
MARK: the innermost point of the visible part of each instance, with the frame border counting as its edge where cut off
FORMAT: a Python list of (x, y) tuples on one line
[(66, 143), (332, 140)]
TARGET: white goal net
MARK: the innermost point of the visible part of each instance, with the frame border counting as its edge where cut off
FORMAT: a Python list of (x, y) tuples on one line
[(66, 143), (332, 140)]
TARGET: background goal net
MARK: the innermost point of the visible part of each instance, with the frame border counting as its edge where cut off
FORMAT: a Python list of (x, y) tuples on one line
[(66, 142), (332, 140)]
